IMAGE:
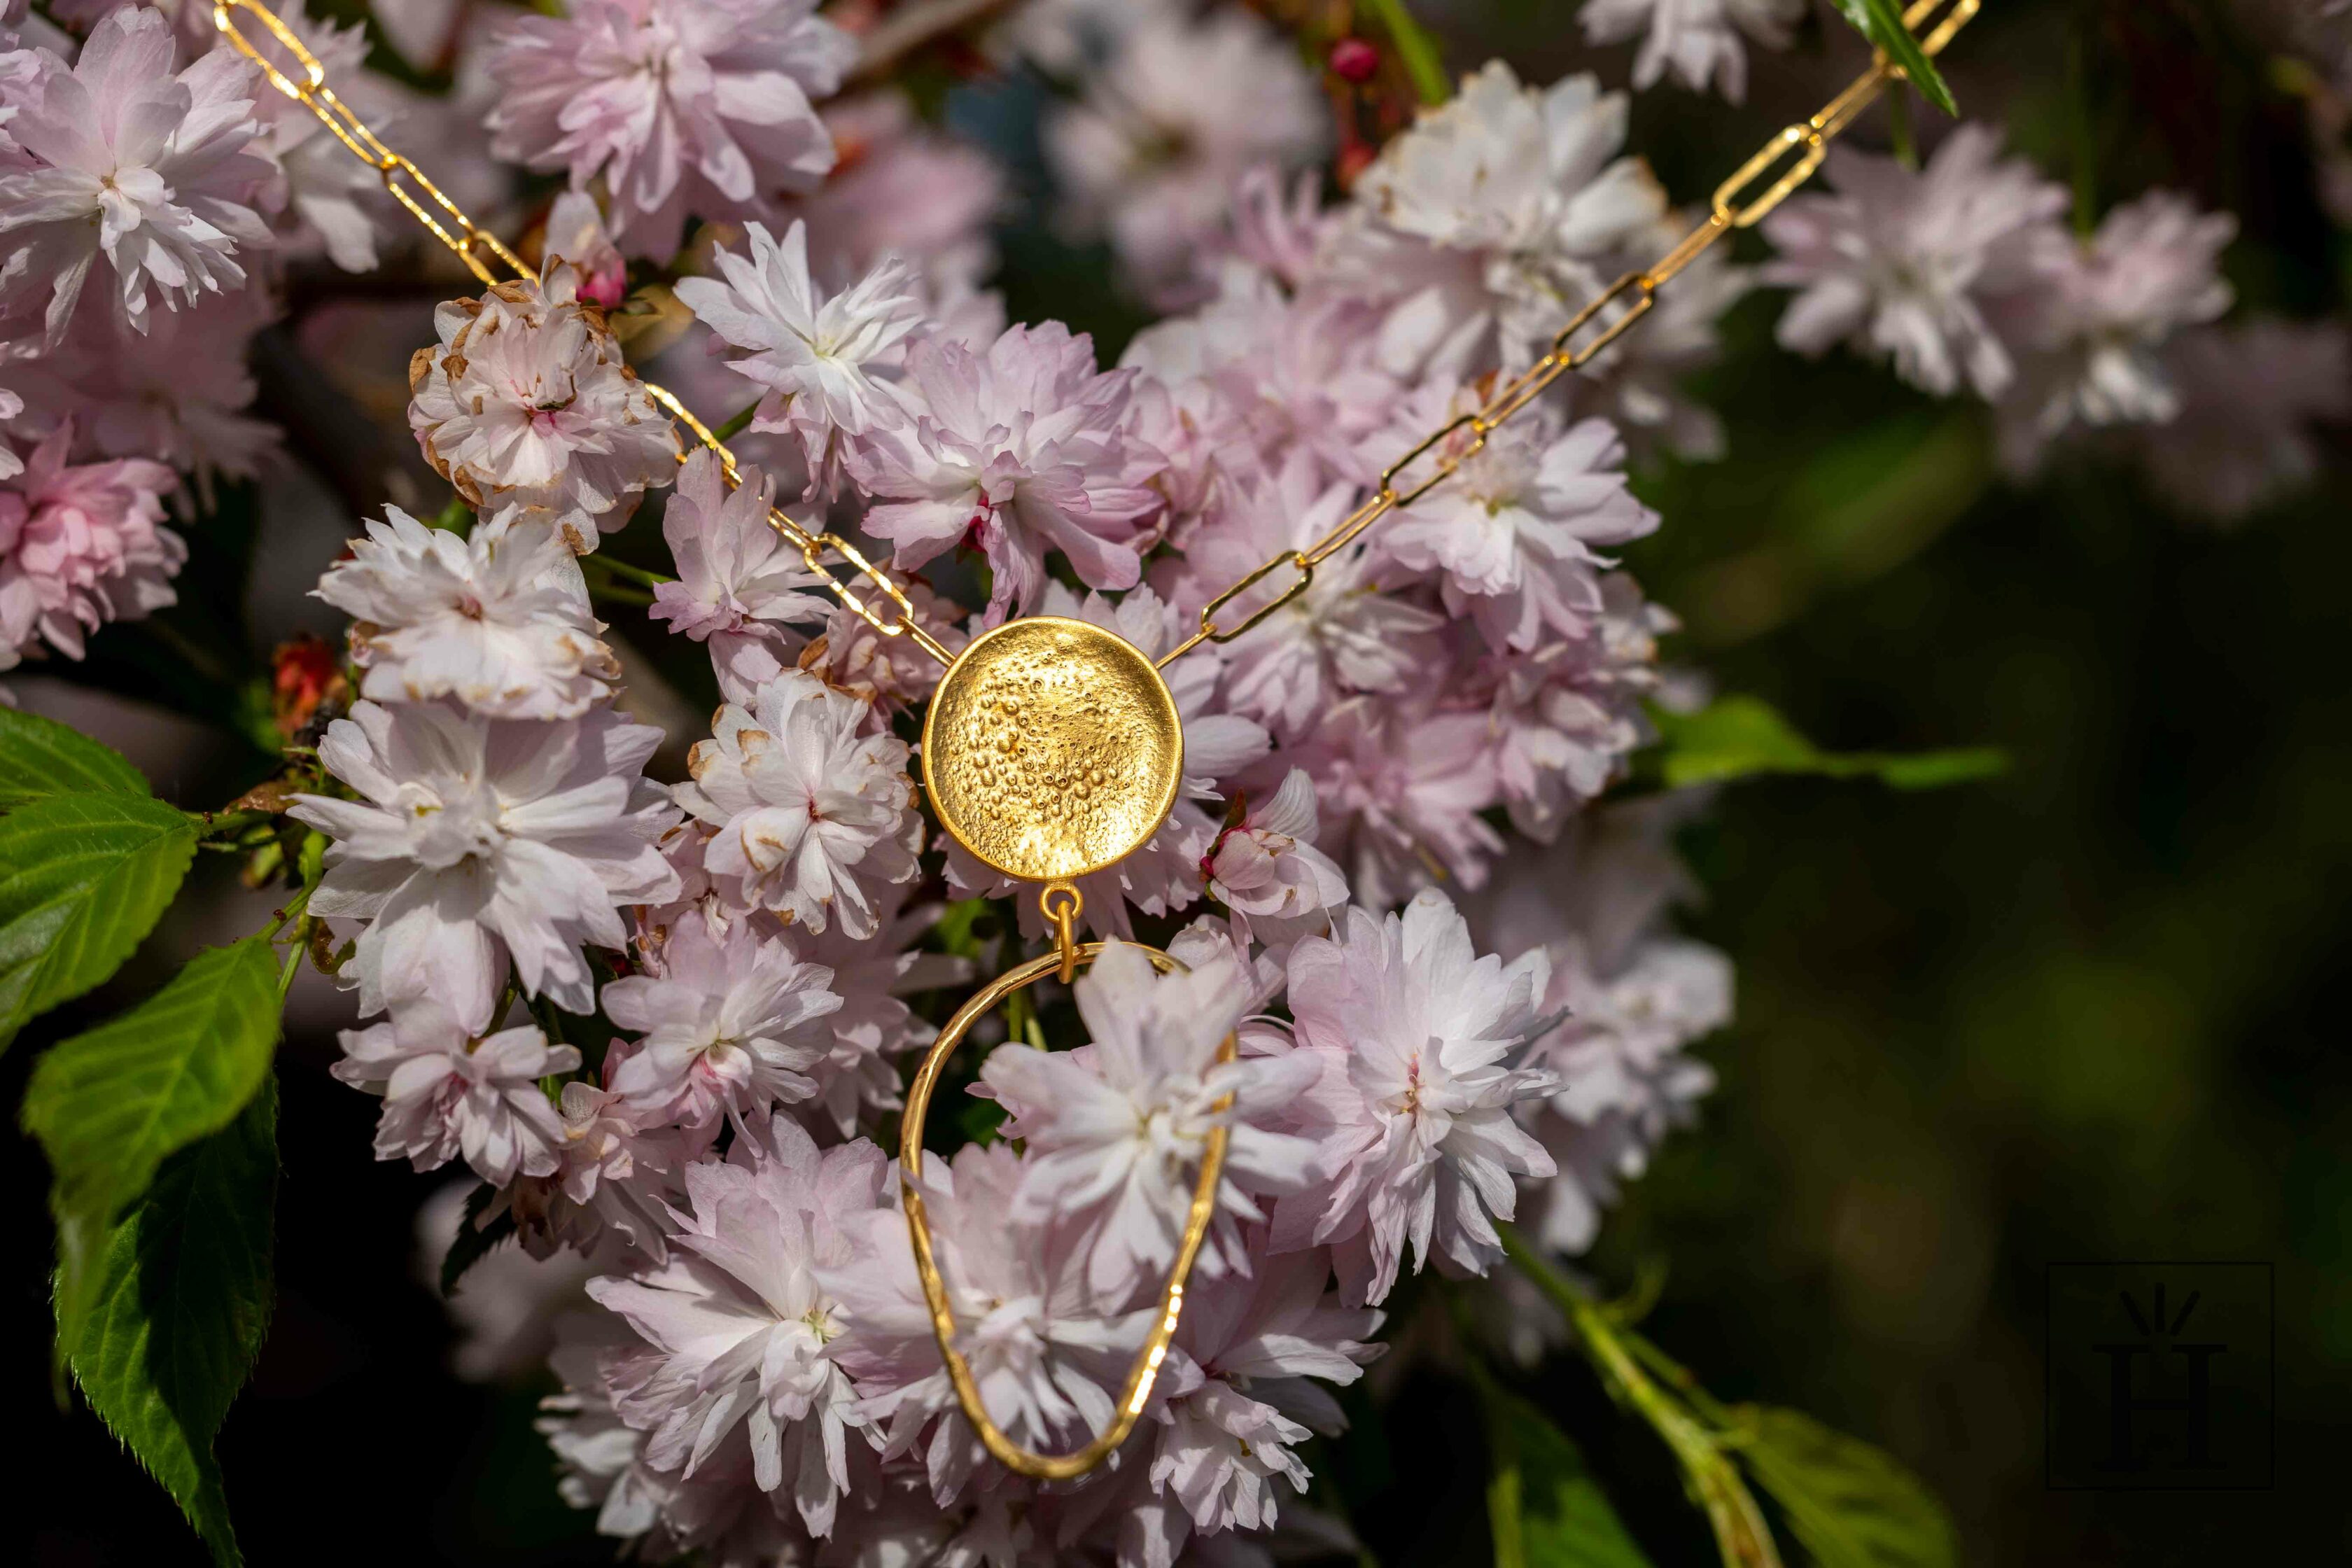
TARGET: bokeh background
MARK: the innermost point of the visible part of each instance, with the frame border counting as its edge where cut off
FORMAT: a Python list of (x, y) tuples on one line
[(2087, 1010)]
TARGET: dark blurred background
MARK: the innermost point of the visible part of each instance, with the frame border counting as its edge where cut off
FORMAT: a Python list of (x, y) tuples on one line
[(2086, 1011)]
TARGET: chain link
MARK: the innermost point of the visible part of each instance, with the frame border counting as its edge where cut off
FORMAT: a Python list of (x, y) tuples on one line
[(478, 248), (1795, 151)]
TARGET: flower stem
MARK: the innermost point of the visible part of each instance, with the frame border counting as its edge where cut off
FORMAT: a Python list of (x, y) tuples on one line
[(1713, 1481), (738, 425), (1415, 47)]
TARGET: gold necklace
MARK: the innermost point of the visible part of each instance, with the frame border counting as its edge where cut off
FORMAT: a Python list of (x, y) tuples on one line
[(1052, 748)]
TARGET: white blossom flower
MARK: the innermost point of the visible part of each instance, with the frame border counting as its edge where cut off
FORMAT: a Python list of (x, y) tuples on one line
[(733, 1023), (683, 108), (1115, 1132), (1242, 1395), (874, 1027), (1278, 373), (739, 1325), (82, 545), (1264, 867), (1183, 107), (476, 840), (1399, 786), (123, 159), (1413, 1033), (176, 390), (447, 1094), (1342, 636), (1017, 449), (1512, 533), (2095, 315), (1564, 718), (814, 816), (1486, 223), (618, 1173), (526, 399), (1045, 1358), (814, 353), (1698, 40), (499, 620), (1629, 998), (740, 581), (1903, 264), (904, 187), (2251, 393)]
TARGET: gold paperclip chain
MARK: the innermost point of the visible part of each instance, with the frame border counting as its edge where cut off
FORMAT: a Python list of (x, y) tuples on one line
[(1732, 207), (448, 222)]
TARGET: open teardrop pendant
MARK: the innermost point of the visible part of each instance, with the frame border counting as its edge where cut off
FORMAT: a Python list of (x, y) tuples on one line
[(1141, 1374)]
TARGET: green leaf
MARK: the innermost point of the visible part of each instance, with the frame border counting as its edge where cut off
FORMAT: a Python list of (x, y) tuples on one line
[(1415, 47), (182, 1308), (1546, 1509), (474, 1240), (1849, 1504), (110, 1106), (40, 757), (1881, 22), (83, 878), (1739, 737)]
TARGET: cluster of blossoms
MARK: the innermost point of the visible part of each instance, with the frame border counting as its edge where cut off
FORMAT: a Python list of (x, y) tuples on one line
[(663, 1024), (660, 1007), (1965, 274)]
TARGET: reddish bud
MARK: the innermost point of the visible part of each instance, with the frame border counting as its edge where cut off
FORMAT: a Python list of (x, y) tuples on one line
[(1353, 60)]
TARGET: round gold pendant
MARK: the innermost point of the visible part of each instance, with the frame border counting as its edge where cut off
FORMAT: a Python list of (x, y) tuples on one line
[(1052, 748)]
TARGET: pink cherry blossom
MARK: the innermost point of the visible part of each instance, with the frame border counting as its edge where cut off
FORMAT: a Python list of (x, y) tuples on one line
[(904, 188), (814, 815), (80, 545), (2251, 394), (176, 390), (1016, 450), (1699, 41), (1047, 1361), (448, 1095), (1115, 1132), (1511, 535), (1247, 1389), (734, 1023), (1629, 998), (739, 1325), (817, 355), (477, 840), (499, 620), (1903, 264), (1399, 789), (125, 160), (682, 108), (740, 582), (1490, 221), (1342, 636), (1182, 108), (2095, 315), (1415, 1036), (526, 398), (1264, 866)]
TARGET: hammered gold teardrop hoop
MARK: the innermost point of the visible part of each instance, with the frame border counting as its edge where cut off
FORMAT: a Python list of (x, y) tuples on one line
[(1137, 1394)]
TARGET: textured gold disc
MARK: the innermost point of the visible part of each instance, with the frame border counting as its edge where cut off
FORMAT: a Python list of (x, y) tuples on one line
[(1052, 748)]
